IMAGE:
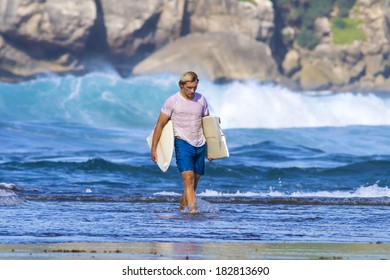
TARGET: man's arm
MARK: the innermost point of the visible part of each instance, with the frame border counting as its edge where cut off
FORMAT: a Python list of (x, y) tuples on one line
[(161, 122)]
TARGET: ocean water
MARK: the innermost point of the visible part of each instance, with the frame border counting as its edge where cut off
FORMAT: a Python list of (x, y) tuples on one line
[(304, 167)]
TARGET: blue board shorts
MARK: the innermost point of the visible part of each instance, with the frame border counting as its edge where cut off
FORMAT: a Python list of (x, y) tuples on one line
[(189, 157)]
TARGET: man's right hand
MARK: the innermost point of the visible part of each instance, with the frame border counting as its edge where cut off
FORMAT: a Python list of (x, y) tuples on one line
[(154, 156)]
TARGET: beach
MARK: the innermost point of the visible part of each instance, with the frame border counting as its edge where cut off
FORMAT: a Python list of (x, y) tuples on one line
[(195, 251)]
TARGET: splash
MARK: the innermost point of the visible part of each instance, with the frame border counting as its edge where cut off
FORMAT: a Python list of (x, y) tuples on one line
[(203, 207), (9, 198)]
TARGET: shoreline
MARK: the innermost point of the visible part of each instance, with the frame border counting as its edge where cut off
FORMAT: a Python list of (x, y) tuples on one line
[(194, 251)]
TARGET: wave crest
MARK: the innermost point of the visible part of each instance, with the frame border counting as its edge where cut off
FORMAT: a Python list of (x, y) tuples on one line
[(104, 99)]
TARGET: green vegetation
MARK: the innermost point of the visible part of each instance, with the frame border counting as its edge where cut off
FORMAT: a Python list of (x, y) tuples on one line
[(345, 6), (317, 8), (302, 14), (307, 39), (346, 30)]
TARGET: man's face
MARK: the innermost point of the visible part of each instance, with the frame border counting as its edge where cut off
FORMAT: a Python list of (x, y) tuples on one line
[(189, 89)]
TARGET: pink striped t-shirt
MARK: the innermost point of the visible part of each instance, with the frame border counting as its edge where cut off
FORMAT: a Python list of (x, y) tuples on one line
[(186, 116)]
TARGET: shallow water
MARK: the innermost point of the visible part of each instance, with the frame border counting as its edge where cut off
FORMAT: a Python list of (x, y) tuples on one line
[(75, 165)]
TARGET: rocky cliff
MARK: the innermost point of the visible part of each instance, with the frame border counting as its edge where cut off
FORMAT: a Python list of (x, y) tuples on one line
[(221, 39), (360, 64)]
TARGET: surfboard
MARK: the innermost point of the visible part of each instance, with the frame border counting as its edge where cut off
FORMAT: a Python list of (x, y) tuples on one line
[(215, 138), (164, 146)]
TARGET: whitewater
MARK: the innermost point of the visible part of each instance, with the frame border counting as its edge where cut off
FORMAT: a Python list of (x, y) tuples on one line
[(304, 166), (108, 100)]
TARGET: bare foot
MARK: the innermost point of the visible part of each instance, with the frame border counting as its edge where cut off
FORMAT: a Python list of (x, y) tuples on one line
[(192, 207)]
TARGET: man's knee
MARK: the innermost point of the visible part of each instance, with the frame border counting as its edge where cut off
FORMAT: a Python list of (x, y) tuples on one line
[(188, 176)]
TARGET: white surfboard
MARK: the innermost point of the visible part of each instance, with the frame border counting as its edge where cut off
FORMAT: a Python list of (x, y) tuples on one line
[(215, 139), (164, 146)]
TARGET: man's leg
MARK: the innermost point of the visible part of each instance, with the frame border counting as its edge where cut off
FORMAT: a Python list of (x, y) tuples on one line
[(183, 200), (189, 189)]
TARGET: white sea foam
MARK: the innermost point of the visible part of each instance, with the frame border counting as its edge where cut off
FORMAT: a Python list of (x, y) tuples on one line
[(105, 99), (255, 105), (7, 186), (371, 191), (363, 192), (164, 193), (9, 198)]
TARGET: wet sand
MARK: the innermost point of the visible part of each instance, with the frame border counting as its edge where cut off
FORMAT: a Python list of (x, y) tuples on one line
[(196, 251)]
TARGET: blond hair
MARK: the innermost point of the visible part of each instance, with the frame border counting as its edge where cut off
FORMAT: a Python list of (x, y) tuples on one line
[(189, 76)]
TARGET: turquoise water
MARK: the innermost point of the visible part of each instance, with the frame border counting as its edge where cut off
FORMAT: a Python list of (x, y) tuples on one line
[(304, 167)]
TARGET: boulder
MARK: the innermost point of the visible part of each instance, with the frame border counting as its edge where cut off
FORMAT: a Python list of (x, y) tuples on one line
[(254, 19), (337, 73), (51, 23), (291, 63), (18, 65), (131, 25), (382, 84), (170, 23), (313, 77), (374, 65), (353, 54), (217, 56), (322, 26), (154, 23)]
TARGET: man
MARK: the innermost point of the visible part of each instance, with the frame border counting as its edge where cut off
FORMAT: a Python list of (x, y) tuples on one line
[(186, 108)]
